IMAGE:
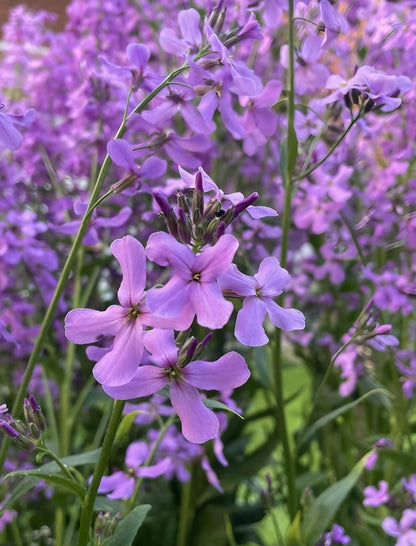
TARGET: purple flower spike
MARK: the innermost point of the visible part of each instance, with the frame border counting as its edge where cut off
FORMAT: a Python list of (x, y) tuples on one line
[(124, 321), (199, 423), (194, 280), (258, 293)]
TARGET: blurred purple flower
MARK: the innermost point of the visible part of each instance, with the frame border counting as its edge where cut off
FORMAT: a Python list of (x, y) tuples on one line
[(10, 138), (374, 496)]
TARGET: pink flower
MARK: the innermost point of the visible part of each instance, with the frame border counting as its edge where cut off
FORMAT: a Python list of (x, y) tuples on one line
[(193, 289), (258, 292), (199, 423), (125, 321)]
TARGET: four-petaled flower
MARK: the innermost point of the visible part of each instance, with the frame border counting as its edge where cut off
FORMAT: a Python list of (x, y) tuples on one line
[(199, 423), (258, 293)]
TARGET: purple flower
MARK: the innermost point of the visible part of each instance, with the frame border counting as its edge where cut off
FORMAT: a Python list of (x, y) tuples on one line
[(10, 138), (334, 536), (189, 22), (118, 365), (403, 529), (193, 289), (410, 485), (199, 424), (120, 485), (138, 56), (374, 496), (258, 292)]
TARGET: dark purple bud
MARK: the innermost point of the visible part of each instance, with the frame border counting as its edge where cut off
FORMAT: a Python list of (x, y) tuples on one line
[(9, 430), (184, 228), (242, 205), (161, 200), (348, 100), (206, 339), (250, 31), (355, 96), (34, 405), (369, 106), (220, 230), (191, 349), (198, 201), (167, 212)]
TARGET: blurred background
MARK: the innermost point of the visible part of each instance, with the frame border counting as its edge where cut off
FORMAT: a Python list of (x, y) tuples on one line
[(54, 6)]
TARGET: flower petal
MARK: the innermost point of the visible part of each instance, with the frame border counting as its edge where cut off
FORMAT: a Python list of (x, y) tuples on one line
[(118, 366), (199, 423), (170, 300), (121, 153), (215, 260), (238, 283), (228, 372), (138, 55), (249, 324), (286, 319), (161, 345), (147, 380), (131, 256), (164, 249), (88, 325), (212, 310), (271, 277)]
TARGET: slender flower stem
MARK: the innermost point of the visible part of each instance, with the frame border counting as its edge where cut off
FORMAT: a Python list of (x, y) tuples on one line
[(277, 353), (149, 460), (335, 145), (88, 504), (66, 271)]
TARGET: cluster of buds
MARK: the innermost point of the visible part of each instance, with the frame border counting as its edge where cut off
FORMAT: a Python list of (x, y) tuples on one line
[(199, 223), (360, 99), (25, 433), (104, 527), (190, 348)]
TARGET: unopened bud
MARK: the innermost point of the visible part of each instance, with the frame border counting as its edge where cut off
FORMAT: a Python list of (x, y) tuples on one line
[(216, 17), (125, 182), (356, 96), (210, 231), (348, 100), (183, 202), (220, 230), (242, 205), (167, 212), (184, 227), (369, 105)]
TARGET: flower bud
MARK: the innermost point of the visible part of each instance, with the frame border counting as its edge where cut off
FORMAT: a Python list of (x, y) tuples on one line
[(125, 182), (242, 205), (184, 227)]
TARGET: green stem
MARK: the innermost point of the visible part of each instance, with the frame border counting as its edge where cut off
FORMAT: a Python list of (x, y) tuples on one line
[(65, 392), (88, 504), (183, 522), (57, 460), (149, 460), (303, 174), (277, 368), (63, 279)]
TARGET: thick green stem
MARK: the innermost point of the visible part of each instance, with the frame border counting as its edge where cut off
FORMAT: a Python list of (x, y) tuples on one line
[(89, 501), (277, 360)]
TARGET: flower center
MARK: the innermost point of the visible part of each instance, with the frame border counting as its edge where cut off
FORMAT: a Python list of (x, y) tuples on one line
[(133, 313), (196, 276)]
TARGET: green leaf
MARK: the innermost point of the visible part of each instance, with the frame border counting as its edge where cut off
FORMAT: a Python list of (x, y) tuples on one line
[(215, 404), (126, 530), (125, 426), (310, 431), (51, 478), (293, 533), (104, 504), (90, 457), (323, 509)]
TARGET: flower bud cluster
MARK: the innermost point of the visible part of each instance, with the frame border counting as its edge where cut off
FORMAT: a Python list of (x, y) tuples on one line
[(28, 432), (104, 527), (199, 222)]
